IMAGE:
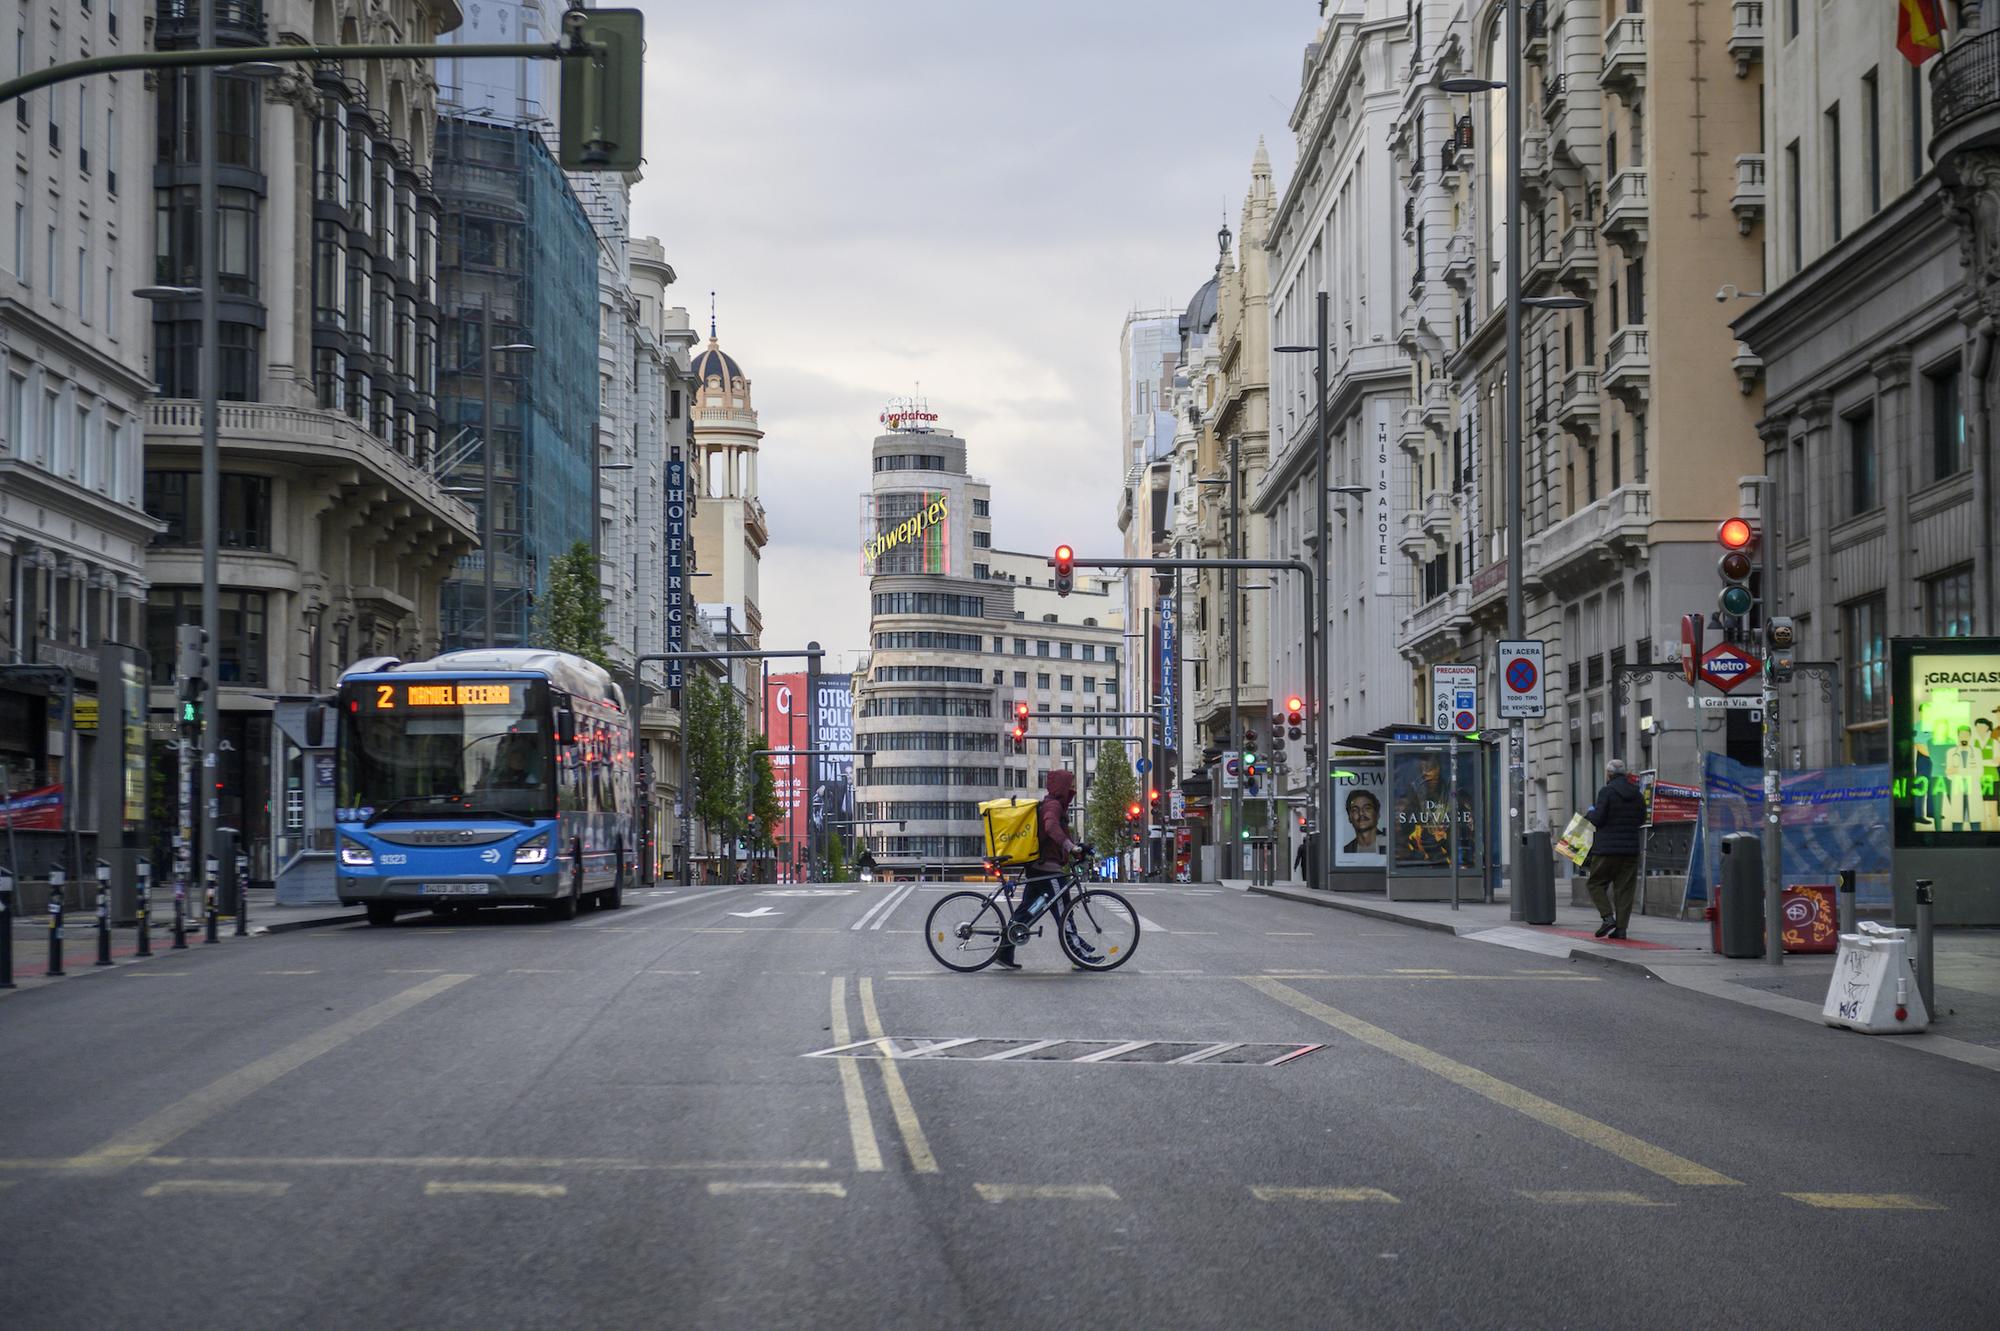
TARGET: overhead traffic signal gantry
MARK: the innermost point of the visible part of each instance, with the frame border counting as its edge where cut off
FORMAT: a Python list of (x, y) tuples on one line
[(1065, 562)]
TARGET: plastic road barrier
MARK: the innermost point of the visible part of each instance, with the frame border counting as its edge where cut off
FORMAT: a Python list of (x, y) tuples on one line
[(1874, 987)]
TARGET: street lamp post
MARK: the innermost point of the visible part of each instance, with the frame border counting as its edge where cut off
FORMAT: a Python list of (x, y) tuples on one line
[(1317, 653)]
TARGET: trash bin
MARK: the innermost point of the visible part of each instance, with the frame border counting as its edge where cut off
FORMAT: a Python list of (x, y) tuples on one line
[(1740, 899), (1535, 878)]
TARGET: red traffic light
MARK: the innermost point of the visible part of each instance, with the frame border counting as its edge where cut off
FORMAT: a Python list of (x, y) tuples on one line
[(1295, 704), (1735, 533), (1021, 710), (1132, 810), (1020, 732), (1153, 794), (1064, 554)]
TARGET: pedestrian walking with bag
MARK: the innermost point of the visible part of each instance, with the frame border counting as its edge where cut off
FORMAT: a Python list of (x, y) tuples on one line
[(1619, 815)]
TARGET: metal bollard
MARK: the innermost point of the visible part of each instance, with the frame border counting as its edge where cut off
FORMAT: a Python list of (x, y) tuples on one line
[(180, 914), (145, 905), (6, 929), (1843, 896), (103, 913), (242, 896), (212, 934), (56, 880), (1923, 942)]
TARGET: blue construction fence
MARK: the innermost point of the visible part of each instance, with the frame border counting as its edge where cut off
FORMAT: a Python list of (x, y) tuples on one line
[(1832, 818)]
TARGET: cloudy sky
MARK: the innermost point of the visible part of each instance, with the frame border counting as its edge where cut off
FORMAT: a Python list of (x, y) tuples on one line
[(966, 196)]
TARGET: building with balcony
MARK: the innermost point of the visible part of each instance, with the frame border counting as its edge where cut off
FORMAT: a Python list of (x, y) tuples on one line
[(1365, 81), (1874, 360), (729, 527), (338, 526), (1615, 543), (75, 342)]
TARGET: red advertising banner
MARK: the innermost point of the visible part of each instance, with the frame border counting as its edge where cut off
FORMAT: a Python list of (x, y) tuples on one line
[(1672, 802), (1812, 920), (38, 810), (785, 704)]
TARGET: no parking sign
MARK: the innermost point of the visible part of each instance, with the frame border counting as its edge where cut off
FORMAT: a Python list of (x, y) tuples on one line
[(1521, 684)]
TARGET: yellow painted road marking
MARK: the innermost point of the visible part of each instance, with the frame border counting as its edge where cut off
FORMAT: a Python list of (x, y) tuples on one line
[(1045, 1192), (1418, 970), (900, 1104), (722, 1188), (439, 1189), (150, 1134), (1864, 1201), (860, 1124), (1673, 1168), (1592, 1198), (1323, 1195), (227, 1187), (523, 970), (592, 1163)]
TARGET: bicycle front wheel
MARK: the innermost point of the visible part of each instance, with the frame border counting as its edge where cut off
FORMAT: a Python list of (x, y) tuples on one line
[(965, 930), (1100, 930)]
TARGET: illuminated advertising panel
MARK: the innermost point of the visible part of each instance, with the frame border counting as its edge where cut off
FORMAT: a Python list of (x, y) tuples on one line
[(1944, 789), (906, 532)]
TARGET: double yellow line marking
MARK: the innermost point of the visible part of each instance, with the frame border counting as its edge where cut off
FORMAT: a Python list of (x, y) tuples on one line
[(860, 1121)]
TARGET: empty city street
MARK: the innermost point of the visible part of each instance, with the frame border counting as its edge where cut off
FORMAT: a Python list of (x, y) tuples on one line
[(673, 1114)]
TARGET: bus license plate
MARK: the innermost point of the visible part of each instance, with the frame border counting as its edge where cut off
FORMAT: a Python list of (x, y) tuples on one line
[(455, 889)]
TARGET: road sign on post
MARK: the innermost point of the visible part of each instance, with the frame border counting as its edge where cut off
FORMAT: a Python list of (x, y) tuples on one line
[(1455, 697), (1691, 636), (1726, 665), (1522, 696)]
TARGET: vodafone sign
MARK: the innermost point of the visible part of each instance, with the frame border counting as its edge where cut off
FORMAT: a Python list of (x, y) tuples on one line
[(1726, 665)]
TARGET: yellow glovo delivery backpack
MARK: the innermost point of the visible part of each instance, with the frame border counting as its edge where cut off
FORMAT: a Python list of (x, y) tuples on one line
[(1013, 830)]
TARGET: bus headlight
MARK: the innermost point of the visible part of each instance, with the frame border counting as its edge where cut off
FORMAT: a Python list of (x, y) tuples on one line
[(355, 855), (535, 850)]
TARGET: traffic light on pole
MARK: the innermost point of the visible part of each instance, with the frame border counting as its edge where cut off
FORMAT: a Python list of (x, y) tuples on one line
[(190, 670), (1020, 727), (1781, 636), (1738, 539), (1295, 716), (1065, 562), (1277, 730), (602, 95)]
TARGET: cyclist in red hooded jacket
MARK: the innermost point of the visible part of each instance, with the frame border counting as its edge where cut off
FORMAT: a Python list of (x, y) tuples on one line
[(1059, 848)]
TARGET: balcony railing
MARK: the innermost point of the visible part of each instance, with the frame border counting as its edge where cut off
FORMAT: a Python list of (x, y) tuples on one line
[(1578, 409), (1436, 615), (1535, 26), (1625, 54), (1626, 204), (1596, 532), (1628, 362), (1552, 96), (1577, 269), (1966, 80), (1748, 200), (1746, 34)]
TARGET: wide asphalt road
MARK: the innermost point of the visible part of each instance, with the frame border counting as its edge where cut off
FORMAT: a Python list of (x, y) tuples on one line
[(629, 1121)]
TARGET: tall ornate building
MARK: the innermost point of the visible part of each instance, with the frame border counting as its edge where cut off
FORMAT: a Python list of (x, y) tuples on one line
[(729, 528), (337, 527)]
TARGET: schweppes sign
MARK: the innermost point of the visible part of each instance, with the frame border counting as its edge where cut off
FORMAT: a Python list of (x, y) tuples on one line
[(906, 531)]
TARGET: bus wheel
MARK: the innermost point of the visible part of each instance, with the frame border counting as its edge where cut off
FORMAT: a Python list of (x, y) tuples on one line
[(613, 897), (381, 914), (565, 907)]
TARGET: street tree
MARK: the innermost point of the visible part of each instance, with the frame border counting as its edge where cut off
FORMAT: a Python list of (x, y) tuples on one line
[(836, 857), (712, 726), (571, 616), (1112, 790), (764, 802)]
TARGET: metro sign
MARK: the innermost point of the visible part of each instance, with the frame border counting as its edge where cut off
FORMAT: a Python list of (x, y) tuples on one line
[(1726, 665)]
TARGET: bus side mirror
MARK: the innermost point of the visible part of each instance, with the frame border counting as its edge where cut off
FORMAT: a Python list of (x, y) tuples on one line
[(315, 726), (565, 723)]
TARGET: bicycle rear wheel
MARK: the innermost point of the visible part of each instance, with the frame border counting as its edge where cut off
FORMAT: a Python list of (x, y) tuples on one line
[(1100, 930), (965, 930)]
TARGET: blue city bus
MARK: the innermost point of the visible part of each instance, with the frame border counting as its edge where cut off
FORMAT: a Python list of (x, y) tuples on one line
[(483, 778)]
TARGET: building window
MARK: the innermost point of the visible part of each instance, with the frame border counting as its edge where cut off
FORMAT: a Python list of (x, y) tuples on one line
[(1948, 604), (1089, 649), (1864, 642), (982, 508), (1795, 234), (1020, 679), (1863, 490), (1090, 683), (1947, 422), (244, 523), (982, 540), (1833, 173), (1871, 127), (1041, 648), (981, 572), (1042, 680), (239, 657), (1069, 683)]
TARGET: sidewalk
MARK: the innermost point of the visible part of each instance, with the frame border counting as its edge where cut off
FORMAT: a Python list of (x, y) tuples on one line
[(1966, 1026), (79, 942)]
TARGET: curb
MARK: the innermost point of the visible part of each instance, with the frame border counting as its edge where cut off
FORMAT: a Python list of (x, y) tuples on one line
[(1617, 963), (1353, 908), (318, 922)]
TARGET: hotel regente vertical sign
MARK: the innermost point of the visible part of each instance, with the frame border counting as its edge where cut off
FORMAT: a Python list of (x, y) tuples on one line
[(676, 568)]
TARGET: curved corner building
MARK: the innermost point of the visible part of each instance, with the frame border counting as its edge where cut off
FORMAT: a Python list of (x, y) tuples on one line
[(952, 650)]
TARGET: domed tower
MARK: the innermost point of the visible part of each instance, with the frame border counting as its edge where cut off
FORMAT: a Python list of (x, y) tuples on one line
[(729, 527)]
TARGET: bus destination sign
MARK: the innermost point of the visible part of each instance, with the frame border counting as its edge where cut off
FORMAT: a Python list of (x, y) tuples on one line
[(388, 697)]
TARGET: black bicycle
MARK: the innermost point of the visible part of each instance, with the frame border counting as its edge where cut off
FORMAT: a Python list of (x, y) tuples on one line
[(1098, 929)]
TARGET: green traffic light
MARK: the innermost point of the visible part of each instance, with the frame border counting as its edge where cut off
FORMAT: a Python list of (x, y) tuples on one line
[(1735, 600), (1245, 834), (188, 712)]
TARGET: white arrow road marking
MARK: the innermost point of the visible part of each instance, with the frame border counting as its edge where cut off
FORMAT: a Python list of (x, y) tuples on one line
[(758, 913)]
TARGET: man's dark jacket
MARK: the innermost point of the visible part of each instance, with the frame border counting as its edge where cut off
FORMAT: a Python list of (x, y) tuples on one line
[(1619, 814)]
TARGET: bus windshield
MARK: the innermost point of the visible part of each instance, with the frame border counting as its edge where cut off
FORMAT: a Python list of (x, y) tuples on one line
[(431, 748)]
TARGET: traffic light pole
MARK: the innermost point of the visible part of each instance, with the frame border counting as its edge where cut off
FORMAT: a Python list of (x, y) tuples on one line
[(1235, 839), (1322, 786), (1774, 840)]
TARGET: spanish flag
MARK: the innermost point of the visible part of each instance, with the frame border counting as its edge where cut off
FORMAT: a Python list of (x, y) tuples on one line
[(1919, 29)]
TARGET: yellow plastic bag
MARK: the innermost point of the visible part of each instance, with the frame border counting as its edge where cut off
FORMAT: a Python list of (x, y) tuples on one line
[(1576, 840), (1013, 830)]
